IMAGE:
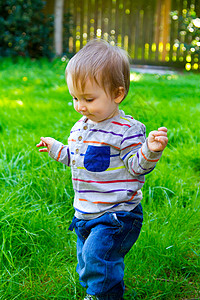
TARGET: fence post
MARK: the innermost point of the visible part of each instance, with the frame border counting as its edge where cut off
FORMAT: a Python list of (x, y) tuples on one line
[(166, 25), (158, 27), (58, 27)]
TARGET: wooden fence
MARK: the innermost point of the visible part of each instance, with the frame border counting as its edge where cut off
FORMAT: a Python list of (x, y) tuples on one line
[(145, 28)]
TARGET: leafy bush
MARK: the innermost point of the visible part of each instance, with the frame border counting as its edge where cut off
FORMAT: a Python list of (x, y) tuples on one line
[(24, 29), (189, 31)]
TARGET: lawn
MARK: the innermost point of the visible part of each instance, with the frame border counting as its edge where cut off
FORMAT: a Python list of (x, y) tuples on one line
[(38, 253)]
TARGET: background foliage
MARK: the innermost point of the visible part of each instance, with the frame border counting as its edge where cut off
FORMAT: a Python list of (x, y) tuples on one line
[(189, 31), (24, 29)]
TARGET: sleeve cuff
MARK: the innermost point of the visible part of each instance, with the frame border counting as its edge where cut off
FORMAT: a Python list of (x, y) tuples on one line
[(55, 149), (150, 155)]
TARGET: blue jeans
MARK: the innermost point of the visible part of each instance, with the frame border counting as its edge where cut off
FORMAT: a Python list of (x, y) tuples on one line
[(102, 244)]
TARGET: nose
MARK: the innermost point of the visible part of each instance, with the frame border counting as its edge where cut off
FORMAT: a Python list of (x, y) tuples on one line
[(81, 106)]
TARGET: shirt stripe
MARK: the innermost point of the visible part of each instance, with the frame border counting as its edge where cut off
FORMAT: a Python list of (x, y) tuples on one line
[(68, 156), (103, 131), (125, 119), (133, 145), (152, 160), (117, 168), (75, 130), (83, 212), (131, 137), (108, 181), (128, 154), (109, 202), (59, 153), (104, 192), (121, 124), (109, 169), (101, 143)]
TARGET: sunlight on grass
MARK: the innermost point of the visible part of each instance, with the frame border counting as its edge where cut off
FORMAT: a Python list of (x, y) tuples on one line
[(10, 103), (38, 253), (135, 77)]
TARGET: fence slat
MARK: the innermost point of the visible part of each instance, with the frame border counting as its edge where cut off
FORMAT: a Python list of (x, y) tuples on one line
[(96, 17), (166, 27), (81, 22), (137, 19), (116, 21), (144, 28), (74, 13)]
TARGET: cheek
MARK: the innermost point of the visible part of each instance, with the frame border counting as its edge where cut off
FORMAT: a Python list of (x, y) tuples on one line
[(97, 106), (75, 105), (91, 107)]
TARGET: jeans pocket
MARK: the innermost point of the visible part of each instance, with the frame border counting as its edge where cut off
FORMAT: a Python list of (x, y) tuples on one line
[(114, 220), (131, 236), (81, 230)]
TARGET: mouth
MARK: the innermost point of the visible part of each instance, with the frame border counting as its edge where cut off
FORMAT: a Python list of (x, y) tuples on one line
[(85, 115)]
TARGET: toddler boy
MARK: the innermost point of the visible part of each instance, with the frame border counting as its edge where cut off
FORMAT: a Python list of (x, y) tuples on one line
[(109, 155)]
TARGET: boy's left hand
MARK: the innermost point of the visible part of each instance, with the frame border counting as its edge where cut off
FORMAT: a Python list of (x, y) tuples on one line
[(157, 140)]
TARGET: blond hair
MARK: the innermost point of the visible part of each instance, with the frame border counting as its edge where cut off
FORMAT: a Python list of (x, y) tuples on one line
[(107, 65)]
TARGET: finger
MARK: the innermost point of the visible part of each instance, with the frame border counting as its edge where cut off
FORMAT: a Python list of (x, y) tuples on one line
[(41, 144), (44, 140), (162, 129), (161, 139), (153, 133), (43, 150), (160, 133)]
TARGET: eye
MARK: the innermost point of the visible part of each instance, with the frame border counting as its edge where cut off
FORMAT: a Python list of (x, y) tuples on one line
[(75, 99), (89, 100)]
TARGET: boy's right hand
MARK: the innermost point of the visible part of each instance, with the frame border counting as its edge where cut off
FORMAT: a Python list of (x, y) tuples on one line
[(45, 142)]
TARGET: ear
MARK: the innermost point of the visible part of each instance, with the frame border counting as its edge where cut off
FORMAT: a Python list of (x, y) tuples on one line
[(119, 95)]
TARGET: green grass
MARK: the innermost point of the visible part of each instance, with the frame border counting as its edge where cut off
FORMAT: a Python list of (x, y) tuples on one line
[(37, 252)]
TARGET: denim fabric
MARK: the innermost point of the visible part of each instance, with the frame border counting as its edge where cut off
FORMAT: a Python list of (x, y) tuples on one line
[(102, 244)]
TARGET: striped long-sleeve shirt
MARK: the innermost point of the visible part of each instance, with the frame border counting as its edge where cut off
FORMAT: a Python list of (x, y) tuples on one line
[(108, 161)]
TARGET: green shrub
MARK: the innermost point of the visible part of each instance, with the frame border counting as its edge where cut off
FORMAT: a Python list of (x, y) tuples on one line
[(24, 29), (189, 31)]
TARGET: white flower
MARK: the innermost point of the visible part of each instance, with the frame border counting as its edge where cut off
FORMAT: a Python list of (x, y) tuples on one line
[(196, 22), (175, 18)]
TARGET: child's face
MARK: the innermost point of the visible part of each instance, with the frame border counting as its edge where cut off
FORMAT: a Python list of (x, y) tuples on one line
[(93, 102)]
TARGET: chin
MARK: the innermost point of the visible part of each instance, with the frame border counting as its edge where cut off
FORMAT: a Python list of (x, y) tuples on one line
[(85, 115)]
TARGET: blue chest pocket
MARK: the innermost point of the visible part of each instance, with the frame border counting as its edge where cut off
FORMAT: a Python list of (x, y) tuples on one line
[(97, 159)]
